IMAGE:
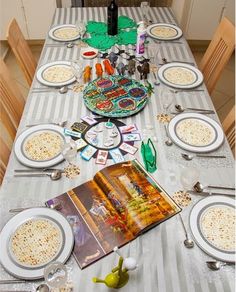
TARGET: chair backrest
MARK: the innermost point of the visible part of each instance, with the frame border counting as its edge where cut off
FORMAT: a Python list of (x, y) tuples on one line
[(7, 136), (21, 51), (229, 128), (218, 53), (11, 98)]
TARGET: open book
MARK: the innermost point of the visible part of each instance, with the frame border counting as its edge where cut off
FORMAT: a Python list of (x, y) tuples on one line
[(120, 203)]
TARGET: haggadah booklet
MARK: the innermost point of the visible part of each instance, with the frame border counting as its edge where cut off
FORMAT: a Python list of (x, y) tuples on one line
[(117, 205)]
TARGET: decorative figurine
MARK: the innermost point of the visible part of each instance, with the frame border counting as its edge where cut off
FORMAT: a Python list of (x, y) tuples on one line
[(119, 277), (87, 74), (131, 66), (112, 57), (121, 68)]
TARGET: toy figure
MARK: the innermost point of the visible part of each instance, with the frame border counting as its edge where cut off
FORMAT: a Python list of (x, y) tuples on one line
[(87, 74), (118, 277), (144, 70), (121, 68), (131, 66), (112, 58)]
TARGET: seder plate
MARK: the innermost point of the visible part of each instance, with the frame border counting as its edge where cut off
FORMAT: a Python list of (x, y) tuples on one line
[(180, 75), (115, 96), (164, 31), (56, 74), (65, 32), (206, 219), (195, 132), (30, 135), (54, 218)]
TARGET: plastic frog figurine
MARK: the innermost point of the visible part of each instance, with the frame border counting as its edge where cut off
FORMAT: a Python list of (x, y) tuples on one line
[(118, 277)]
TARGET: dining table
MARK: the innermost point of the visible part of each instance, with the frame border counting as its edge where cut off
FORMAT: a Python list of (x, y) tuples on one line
[(164, 263)]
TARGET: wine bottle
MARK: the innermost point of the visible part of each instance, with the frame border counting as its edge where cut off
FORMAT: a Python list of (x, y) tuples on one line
[(112, 18)]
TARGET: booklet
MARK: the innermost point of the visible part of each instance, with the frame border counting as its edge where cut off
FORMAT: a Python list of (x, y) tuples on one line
[(121, 202)]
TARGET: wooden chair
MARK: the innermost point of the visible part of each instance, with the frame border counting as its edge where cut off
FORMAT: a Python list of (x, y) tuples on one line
[(21, 51), (218, 53), (229, 128), (7, 136), (11, 98)]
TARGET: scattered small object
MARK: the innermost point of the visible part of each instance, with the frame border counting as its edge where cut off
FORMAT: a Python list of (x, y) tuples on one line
[(113, 134), (42, 288), (71, 171), (118, 277), (78, 88), (215, 265), (164, 118), (99, 70), (182, 198), (149, 155), (87, 74), (108, 142)]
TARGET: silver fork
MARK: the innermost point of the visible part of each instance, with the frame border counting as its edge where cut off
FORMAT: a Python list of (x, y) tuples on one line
[(61, 124)]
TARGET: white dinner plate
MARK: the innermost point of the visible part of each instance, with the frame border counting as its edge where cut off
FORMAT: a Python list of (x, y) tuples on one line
[(64, 33), (21, 140), (195, 132), (213, 210), (180, 75), (164, 31), (59, 81), (54, 218)]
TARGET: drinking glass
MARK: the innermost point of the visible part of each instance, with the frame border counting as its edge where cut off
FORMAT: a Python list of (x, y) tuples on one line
[(55, 275), (166, 98), (69, 151), (77, 69), (153, 51), (145, 6), (189, 176), (81, 27)]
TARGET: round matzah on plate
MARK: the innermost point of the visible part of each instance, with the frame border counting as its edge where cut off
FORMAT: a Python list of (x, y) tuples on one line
[(195, 132), (40, 146), (164, 31), (56, 74), (16, 256), (212, 223), (65, 32), (180, 75)]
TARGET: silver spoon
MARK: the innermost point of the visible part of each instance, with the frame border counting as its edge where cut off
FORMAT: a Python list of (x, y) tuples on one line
[(155, 81), (188, 242), (215, 265), (180, 108), (56, 206), (64, 89), (190, 157), (168, 142), (54, 175), (199, 188), (42, 288)]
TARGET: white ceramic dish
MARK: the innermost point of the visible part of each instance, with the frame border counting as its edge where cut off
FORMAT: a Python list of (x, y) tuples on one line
[(24, 136), (195, 220), (215, 131), (57, 64), (180, 75), (164, 31), (29, 273), (66, 38)]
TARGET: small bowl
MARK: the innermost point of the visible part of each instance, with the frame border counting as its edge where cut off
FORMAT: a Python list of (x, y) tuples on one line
[(89, 53)]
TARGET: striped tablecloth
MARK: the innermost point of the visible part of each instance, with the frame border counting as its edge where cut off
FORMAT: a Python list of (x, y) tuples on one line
[(165, 265)]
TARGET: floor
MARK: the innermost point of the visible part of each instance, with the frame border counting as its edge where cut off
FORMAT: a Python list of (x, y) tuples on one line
[(223, 96)]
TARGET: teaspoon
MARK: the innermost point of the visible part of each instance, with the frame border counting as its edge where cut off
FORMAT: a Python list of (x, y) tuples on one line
[(215, 265), (54, 175), (42, 288), (168, 142), (190, 157), (64, 89), (179, 108), (188, 242), (199, 188)]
